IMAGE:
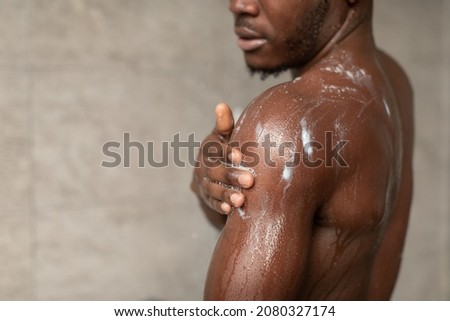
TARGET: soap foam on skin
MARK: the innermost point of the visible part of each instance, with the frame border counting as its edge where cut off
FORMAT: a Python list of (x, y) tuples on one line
[(306, 136), (241, 212), (288, 174)]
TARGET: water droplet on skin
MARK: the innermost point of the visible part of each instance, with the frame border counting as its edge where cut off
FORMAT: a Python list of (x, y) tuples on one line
[(386, 106)]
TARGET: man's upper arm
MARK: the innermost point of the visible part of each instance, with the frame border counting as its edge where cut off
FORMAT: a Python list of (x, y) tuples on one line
[(262, 252)]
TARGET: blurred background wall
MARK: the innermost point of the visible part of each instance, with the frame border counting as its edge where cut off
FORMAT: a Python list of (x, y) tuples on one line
[(75, 74)]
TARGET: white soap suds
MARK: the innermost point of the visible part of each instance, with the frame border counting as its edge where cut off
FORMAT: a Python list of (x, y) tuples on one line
[(288, 174), (241, 212), (357, 75), (306, 136)]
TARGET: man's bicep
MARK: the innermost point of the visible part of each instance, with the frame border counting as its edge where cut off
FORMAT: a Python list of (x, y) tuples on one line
[(257, 260), (262, 252), (263, 249)]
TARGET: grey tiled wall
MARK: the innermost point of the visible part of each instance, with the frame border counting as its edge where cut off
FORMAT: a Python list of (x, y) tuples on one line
[(75, 74)]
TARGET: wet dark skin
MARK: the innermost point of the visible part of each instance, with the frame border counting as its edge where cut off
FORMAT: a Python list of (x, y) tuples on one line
[(314, 231)]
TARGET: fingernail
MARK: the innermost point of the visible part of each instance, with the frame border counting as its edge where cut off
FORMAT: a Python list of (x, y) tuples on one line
[(234, 157), (236, 199), (237, 156), (244, 180), (225, 207)]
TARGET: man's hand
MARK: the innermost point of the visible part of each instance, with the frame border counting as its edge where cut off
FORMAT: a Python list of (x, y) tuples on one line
[(215, 182)]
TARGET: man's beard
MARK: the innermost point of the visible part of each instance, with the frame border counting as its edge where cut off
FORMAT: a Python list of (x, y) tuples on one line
[(265, 73), (311, 30)]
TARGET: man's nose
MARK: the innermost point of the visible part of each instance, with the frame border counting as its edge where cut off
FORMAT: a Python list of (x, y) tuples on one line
[(250, 7)]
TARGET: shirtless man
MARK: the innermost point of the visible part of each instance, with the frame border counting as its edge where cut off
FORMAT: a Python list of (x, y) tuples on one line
[(315, 229)]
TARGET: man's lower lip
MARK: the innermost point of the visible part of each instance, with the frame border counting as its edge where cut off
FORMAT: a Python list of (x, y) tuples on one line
[(250, 44)]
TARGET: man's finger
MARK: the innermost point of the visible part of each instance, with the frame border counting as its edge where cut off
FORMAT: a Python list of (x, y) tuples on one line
[(234, 156), (219, 206), (232, 176), (222, 193), (224, 120)]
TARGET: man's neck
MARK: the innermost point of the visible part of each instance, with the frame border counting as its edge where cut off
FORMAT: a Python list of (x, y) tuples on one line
[(353, 35)]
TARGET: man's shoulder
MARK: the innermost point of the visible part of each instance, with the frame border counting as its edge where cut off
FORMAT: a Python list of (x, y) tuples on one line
[(320, 100), (332, 83), (319, 111)]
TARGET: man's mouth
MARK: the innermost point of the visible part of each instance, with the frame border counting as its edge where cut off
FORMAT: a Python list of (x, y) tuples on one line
[(249, 40), (250, 44)]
